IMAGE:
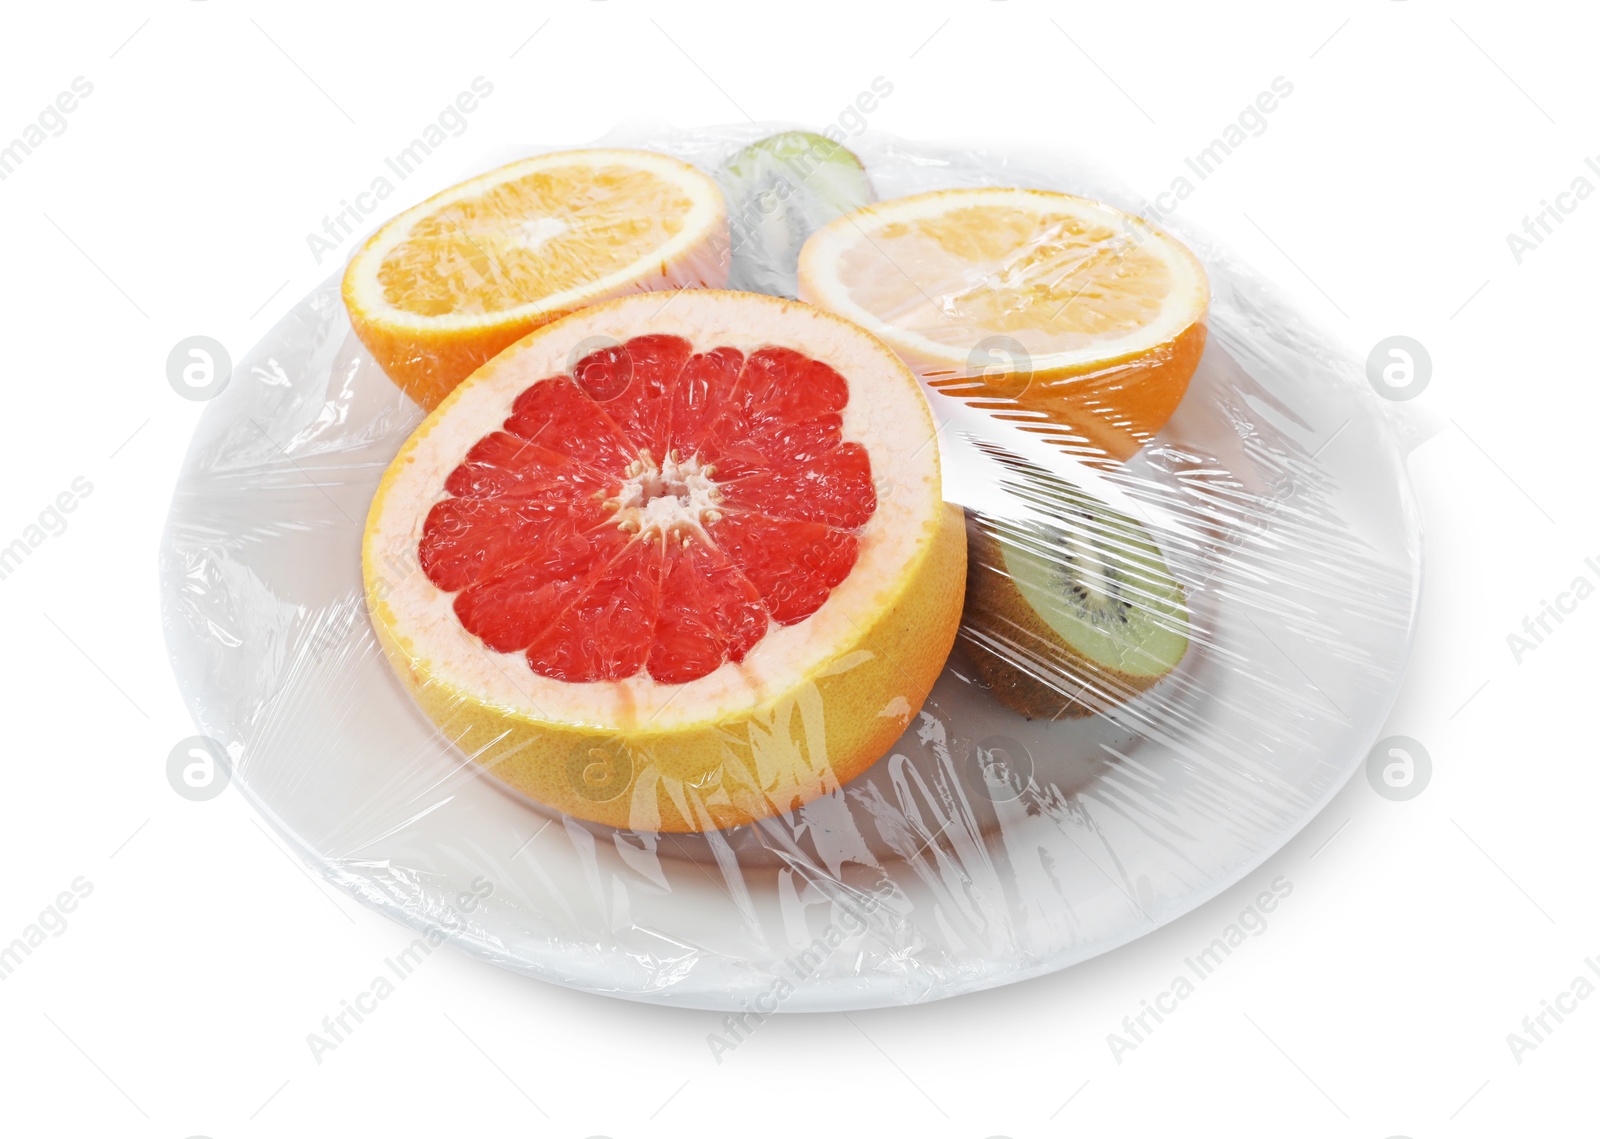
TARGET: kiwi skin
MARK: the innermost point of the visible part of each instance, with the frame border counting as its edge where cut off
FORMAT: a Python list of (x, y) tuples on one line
[(1035, 673)]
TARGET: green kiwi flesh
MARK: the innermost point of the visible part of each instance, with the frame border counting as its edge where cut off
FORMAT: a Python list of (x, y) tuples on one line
[(1074, 618), (780, 191)]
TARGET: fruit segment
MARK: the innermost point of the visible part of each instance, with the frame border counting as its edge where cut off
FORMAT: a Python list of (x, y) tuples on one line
[(512, 601), (656, 510), (702, 394), (605, 630), (792, 563), (635, 381), (834, 488), (710, 612), (468, 539), (557, 414), (503, 465)]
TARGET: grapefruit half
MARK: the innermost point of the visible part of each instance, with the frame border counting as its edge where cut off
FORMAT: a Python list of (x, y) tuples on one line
[(672, 564)]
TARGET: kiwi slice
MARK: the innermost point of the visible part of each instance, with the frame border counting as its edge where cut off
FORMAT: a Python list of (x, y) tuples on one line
[(1072, 618), (780, 191)]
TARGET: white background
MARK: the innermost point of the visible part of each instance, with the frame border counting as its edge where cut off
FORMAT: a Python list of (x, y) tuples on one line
[(1419, 933)]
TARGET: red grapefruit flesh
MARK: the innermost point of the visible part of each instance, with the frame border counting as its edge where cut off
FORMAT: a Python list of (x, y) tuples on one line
[(656, 533)]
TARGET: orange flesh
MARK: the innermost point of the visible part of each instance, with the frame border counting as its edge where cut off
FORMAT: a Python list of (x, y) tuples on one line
[(576, 225), (1054, 282)]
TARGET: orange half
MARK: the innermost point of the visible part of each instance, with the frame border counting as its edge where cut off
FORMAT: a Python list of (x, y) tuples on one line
[(1079, 320), (448, 284)]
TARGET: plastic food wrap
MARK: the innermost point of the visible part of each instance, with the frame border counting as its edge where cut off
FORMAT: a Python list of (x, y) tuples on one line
[(1184, 605)]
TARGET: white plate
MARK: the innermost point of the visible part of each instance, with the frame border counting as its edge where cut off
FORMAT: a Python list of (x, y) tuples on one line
[(982, 849)]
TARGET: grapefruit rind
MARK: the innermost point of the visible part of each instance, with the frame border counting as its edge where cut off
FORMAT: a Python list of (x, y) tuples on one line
[(810, 706)]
